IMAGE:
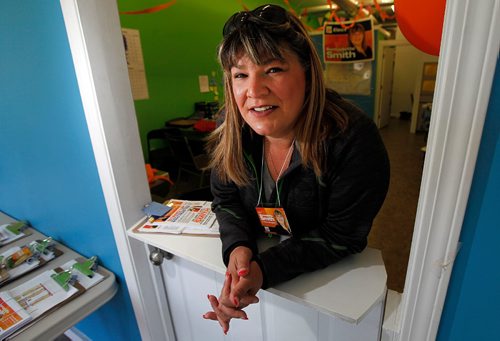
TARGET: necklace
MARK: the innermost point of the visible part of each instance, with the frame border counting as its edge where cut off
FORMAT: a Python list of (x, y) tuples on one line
[(289, 153), (279, 174)]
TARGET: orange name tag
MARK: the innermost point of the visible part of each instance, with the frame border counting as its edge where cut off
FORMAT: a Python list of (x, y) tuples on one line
[(274, 220)]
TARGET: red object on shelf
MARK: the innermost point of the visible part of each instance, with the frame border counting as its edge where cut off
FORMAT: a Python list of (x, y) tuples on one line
[(421, 22), (204, 125)]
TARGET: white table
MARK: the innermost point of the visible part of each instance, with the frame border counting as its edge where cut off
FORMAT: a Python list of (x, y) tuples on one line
[(60, 320)]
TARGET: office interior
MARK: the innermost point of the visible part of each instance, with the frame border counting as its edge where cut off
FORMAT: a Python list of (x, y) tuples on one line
[(50, 176)]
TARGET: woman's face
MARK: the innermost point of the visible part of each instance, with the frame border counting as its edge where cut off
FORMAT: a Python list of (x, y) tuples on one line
[(280, 219), (270, 96), (357, 38)]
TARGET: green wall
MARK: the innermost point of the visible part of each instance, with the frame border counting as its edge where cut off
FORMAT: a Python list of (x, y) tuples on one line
[(178, 44)]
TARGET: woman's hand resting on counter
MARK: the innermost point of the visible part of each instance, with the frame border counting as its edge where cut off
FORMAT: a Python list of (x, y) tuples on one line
[(242, 282)]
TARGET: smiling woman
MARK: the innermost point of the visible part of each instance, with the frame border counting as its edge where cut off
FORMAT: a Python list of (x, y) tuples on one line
[(290, 144)]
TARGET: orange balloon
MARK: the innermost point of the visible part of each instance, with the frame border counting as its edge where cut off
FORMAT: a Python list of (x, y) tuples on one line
[(421, 22)]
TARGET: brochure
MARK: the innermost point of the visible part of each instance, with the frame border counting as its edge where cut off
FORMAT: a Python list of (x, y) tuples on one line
[(12, 315), (43, 293), (12, 232), (19, 260), (184, 217)]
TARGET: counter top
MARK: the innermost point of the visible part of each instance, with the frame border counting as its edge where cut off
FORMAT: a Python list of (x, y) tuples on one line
[(347, 289), (58, 321)]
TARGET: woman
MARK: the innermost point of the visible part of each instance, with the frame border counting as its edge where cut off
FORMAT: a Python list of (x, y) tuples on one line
[(286, 142), (357, 42)]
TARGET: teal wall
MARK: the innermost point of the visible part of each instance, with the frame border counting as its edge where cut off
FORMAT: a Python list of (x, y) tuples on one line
[(472, 306), (48, 174)]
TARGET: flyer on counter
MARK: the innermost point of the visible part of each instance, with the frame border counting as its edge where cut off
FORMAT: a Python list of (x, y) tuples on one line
[(184, 217)]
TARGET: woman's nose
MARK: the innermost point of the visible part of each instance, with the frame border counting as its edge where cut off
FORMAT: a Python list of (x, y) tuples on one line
[(257, 87)]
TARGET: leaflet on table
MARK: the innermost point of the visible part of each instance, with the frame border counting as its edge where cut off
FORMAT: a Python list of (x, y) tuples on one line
[(33, 299), (11, 232), (42, 293), (12, 315), (18, 260), (185, 216)]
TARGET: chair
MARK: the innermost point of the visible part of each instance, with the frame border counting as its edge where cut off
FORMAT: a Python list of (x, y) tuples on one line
[(189, 162), (159, 154)]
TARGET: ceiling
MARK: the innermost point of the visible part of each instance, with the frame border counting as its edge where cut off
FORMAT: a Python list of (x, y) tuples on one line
[(381, 10)]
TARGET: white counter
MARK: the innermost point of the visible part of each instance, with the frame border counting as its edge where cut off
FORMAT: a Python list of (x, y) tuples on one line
[(346, 290)]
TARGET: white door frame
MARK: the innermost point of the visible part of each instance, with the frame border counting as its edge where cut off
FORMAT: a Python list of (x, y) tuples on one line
[(469, 51), (95, 39)]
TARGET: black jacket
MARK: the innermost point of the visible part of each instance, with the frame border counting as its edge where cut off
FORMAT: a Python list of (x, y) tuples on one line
[(330, 217)]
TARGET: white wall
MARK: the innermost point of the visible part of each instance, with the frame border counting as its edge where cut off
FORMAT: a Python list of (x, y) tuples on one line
[(407, 66)]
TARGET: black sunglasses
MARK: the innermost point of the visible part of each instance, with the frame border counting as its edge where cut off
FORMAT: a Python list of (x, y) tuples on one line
[(268, 13)]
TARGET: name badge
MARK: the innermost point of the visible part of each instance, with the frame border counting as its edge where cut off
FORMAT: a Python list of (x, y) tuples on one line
[(273, 220)]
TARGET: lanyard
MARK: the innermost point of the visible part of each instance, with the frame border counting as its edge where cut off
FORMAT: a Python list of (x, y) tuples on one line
[(279, 175)]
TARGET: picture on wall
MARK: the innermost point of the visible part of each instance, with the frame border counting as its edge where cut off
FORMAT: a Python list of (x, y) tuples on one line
[(347, 42), (135, 63)]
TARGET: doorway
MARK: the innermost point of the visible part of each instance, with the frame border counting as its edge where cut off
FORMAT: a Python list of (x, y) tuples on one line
[(451, 155), (397, 77), (385, 82)]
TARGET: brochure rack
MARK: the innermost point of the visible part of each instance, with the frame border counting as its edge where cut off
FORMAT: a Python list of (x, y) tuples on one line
[(64, 317)]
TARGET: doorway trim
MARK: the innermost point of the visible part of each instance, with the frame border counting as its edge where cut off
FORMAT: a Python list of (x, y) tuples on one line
[(469, 52), (469, 49)]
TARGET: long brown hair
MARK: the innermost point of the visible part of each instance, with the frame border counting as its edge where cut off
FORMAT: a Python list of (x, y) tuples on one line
[(261, 38)]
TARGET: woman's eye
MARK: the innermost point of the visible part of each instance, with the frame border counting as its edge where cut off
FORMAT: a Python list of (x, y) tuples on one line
[(239, 75), (274, 70)]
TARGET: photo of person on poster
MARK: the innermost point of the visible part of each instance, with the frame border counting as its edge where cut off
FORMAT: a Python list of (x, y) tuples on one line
[(358, 42), (282, 223), (348, 41)]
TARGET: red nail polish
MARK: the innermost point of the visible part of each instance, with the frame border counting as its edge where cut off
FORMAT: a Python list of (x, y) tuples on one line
[(243, 272), (235, 301)]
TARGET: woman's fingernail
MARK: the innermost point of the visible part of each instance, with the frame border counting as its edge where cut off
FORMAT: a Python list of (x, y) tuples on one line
[(244, 318), (235, 301), (242, 272)]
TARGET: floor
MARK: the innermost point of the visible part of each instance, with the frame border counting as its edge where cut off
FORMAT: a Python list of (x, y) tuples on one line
[(393, 227)]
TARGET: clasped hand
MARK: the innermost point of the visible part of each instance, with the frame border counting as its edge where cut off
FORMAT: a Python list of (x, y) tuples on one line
[(242, 282)]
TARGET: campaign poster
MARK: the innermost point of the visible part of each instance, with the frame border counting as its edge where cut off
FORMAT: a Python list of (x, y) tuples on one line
[(351, 41)]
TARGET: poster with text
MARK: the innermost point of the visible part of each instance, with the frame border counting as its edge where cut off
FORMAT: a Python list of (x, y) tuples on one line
[(135, 63), (351, 41)]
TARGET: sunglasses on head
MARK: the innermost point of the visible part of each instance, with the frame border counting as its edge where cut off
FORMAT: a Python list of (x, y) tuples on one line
[(267, 13)]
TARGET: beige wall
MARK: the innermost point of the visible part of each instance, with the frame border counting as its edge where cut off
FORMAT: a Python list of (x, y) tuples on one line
[(407, 68)]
